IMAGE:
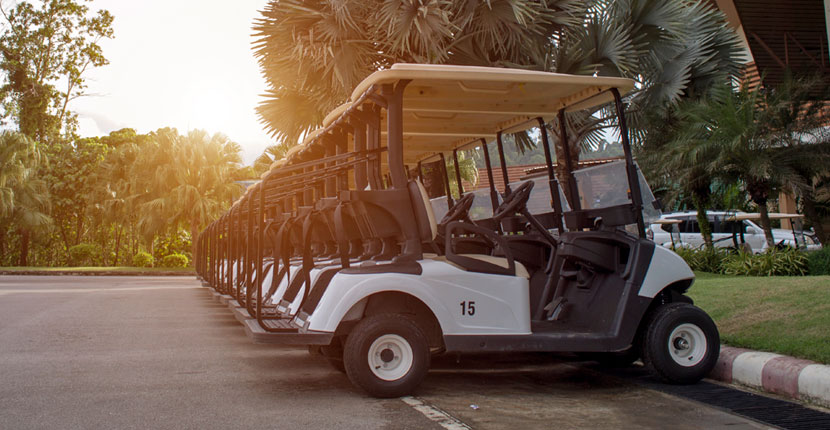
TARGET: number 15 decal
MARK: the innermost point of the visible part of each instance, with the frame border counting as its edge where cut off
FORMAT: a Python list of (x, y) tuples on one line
[(468, 308)]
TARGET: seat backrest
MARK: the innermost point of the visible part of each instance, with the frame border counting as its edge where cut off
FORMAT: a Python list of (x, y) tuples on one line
[(424, 215)]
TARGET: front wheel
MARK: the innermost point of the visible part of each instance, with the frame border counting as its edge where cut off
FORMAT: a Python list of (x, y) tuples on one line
[(386, 355), (681, 343)]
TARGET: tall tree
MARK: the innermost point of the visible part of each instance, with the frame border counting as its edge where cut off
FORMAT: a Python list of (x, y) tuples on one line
[(313, 53), (72, 180), (23, 197), (46, 51), (197, 181)]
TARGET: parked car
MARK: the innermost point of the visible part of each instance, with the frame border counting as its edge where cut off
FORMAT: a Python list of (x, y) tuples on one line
[(728, 229)]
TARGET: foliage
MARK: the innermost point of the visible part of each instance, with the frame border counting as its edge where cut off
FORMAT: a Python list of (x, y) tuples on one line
[(142, 259), (46, 45), (174, 260), (85, 254), (122, 192), (785, 262), (24, 198), (72, 176), (819, 261), (313, 53), (776, 262), (709, 260), (177, 242)]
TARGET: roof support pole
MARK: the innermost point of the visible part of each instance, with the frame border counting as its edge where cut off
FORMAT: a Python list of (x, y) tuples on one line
[(361, 170), (630, 167), (260, 220), (394, 128), (330, 145), (494, 195), (553, 184), (503, 163), (249, 249)]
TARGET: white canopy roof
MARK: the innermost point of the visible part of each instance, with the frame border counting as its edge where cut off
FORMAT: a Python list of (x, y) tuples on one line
[(446, 107)]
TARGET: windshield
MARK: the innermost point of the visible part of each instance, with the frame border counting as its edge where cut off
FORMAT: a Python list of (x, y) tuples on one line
[(606, 185)]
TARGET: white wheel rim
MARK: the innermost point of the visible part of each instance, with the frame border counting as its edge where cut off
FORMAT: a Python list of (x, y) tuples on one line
[(687, 345), (390, 357)]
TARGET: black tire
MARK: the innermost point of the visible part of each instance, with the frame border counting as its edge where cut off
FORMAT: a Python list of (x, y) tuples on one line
[(407, 368), (680, 333)]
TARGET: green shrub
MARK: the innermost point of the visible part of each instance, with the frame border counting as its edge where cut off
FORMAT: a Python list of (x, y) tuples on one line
[(174, 260), (142, 259), (84, 254), (819, 262), (784, 262), (704, 260)]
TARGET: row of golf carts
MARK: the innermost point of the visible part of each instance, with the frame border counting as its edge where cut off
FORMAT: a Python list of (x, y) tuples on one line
[(362, 246)]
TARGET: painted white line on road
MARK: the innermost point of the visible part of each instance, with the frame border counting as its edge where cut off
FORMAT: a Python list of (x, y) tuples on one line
[(442, 418), (94, 290)]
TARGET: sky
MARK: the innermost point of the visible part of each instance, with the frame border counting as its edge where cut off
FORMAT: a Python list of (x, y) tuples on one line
[(186, 64)]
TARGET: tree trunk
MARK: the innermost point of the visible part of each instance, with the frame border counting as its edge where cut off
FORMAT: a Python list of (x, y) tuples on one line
[(561, 168), (765, 224), (2, 245), (24, 247), (815, 219), (118, 232), (703, 222)]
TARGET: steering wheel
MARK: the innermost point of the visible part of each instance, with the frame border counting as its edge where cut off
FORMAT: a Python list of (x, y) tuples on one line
[(514, 201), (460, 210)]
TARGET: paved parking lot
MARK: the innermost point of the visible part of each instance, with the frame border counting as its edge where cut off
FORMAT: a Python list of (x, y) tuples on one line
[(154, 352)]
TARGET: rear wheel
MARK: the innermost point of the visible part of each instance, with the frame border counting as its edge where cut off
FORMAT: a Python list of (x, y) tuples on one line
[(386, 355), (681, 343)]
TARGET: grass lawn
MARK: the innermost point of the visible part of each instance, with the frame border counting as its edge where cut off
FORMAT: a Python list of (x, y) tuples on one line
[(99, 269), (786, 315)]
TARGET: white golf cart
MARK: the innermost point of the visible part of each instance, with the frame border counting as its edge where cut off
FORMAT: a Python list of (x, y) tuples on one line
[(584, 279)]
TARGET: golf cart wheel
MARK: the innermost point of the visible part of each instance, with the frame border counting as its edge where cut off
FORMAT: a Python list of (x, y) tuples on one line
[(386, 355), (681, 343)]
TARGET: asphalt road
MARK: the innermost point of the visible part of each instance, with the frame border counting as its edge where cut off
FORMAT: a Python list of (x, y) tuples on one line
[(136, 352)]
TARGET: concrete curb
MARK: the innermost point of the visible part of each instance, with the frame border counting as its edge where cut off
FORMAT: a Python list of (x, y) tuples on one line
[(774, 373)]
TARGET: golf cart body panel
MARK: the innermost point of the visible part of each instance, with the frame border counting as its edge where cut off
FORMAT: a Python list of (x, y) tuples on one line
[(492, 303), (657, 280)]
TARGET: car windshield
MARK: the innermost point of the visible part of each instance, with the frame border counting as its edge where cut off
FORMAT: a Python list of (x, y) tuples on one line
[(606, 185)]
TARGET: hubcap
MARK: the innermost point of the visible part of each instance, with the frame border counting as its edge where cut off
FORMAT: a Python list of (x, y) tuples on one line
[(390, 357), (687, 345)]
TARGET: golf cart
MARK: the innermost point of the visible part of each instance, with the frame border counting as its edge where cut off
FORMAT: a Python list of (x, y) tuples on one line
[(403, 286)]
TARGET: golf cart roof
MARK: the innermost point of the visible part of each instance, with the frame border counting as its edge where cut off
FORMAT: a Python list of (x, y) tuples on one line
[(447, 107), (756, 216), (666, 221)]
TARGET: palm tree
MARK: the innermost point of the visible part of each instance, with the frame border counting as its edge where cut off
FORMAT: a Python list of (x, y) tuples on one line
[(196, 182), (23, 198), (738, 137), (314, 53), (271, 154)]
